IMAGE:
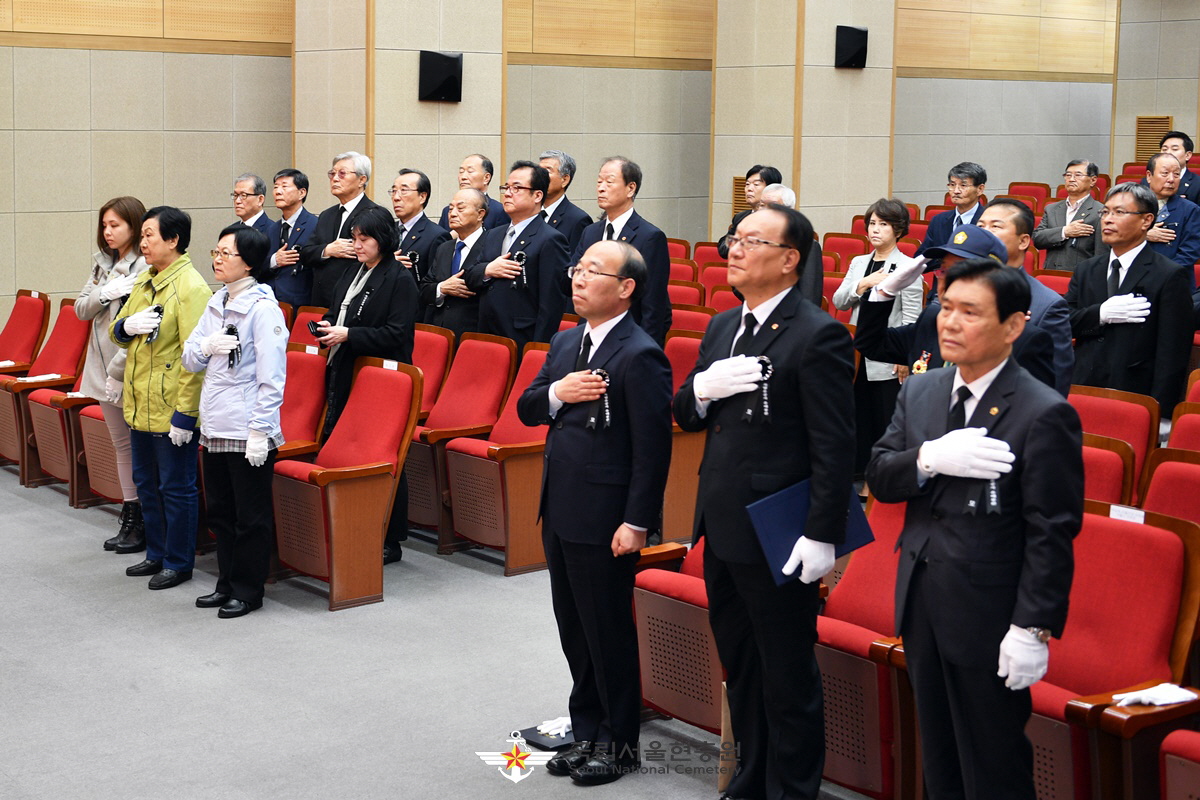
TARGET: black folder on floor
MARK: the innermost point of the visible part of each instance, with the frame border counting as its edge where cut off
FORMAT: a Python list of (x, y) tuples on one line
[(779, 518)]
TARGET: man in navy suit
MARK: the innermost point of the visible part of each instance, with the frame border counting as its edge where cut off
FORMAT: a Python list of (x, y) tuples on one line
[(475, 172), (1179, 144), (447, 300), (419, 236), (290, 279), (1176, 230), (521, 267), (1012, 222), (965, 183), (605, 392), (563, 215), (616, 188), (249, 194)]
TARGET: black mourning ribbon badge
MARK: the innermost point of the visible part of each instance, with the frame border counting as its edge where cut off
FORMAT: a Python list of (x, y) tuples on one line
[(599, 403)]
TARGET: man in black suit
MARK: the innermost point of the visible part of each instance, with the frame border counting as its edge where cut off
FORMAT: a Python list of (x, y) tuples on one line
[(419, 236), (1070, 229), (519, 274), (605, 392), (290, 279), (330, 251), (1131, 309), (249, 193), (563, 215), (758, 178), (475, 172), (985, 555), (965, 183), (761, 439), (447, 300), (1179, 144), (616, 188)]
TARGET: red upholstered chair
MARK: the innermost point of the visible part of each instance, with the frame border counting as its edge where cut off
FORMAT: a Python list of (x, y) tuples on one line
[(1180, 765), (289, 313), (831, 262), (331, 515), (908, 245), (914, 211), (679, 248), (1185, 426), (305, 315), (1056, 279), (858, 225), (433, 349), (63, 356), (688, 293), (917, 230), (722, 298), (933, 211), (829, 284), (99, 455), (846, 245), (713, 275), (1171, 484), (1107, 469), (24, 331), (1103, 181), (568, 321), (495, 484), (683, 478), (302, 415), (469, 405), (684, 270), (691, 318), (1039, 192), (1133, 167), (1131, 177), (1193, 387), (56, 430), (1127, 416), (706, 251), (1031, 260)]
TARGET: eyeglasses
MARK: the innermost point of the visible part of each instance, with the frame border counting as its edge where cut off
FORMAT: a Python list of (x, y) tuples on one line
[(340, 174), (750, 243), (512, 188), (401, 190), (1076, 175), (952, 186), (224, 255), (589, 275), (1119, 213), (242, 195)]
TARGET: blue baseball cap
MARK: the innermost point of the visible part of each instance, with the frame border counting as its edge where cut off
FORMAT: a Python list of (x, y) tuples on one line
[(971, 241)]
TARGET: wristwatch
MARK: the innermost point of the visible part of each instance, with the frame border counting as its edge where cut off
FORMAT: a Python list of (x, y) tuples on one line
[(1041, 634)]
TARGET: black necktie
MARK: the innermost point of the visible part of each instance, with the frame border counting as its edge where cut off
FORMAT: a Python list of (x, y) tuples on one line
[(1114, 278), (608, 231), (742, 346), (585, 353), (400, 230), (284, 233), (958, 411), (545, 216), (342, 227)]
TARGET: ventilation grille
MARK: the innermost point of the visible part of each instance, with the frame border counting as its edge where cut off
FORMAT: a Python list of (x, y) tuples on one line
[(739, 195), (1150, 131)]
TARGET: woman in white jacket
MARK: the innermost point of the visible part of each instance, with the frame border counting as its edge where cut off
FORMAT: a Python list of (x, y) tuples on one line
[(115, 266), (240, 343), (877, 385)]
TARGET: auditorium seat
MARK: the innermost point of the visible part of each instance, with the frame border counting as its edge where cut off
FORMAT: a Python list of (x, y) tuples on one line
[(914, 212), (331, 515), (917, 230), (99, 454), (1107, 469), (1038, 192), (1127, 416), (723, 298), (688, 293), (846, 245), (469, 405), (706, 251), (679, 248), (683, 477), (933, 211), (691, 318), (831, 262), (829, 284), (1031, 260), (289, 314), (1171, 484), (1180, 766), (1185, 427), (1133, 167), (495, 484), (1056, 279), (1103, 183), (58, 446), (858, 225), (302, 414), (908, 245), (683, 270), (569, 321), (300, 334), (24, 331), (714, 275), (433, 350)]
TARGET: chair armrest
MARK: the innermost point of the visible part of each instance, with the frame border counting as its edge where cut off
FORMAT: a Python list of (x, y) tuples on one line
[(881, 650), (299, 447), (323, 477), (1127, 721), (662, 556), (17, 369), (65, 403), (433, 435), (503, 451), (18, 386), (1086, 710)]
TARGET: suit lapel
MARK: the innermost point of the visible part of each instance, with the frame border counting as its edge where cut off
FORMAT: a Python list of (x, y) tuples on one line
[(612, 343), (992, 406), (778, 322), (629, 232), (526, 236), (1139, 269)]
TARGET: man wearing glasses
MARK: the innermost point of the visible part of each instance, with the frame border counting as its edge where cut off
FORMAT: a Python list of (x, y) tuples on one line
[(419, 236), (1070, 229), (249, 194), (520, 271), (330, 251), (965, 185)]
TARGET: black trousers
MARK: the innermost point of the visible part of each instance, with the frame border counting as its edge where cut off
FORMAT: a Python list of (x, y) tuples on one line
[(973, 742), (874, 403), (765, 636), (238, 500), (592, 594)]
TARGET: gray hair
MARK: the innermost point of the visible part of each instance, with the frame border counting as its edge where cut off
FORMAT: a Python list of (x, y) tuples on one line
[(786, 196), (362, 164), (480, 199), (566, 164), (260, 186), (1145, 199)]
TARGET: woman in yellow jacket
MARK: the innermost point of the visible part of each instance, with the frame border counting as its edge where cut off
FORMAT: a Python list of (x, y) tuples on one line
[(162, 399)]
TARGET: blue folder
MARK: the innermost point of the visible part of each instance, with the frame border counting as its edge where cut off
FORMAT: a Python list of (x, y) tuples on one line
[(779, 518)]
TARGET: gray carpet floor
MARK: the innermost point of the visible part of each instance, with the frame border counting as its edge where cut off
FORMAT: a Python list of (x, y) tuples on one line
[(109, 690)]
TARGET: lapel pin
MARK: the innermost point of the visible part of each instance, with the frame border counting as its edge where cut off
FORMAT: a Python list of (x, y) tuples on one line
[(993, 411), (775, 326)]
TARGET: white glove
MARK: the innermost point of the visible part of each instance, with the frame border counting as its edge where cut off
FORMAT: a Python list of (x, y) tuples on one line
[(218, 344), (117, 286), (112, 390), (899, 279), (179, 437), (1162, 695), (817, 558), (557, 727), (257, 448), (144, 321), (966, 453), (1123, 308), (1023, 659), (727, 377)]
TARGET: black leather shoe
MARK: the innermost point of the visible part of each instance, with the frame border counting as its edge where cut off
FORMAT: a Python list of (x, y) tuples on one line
[(237, 608), (170, 577), (214, 600), (132, 538), (392, 552), (110, 544), (573, 757), (603, 767), (143, 568)]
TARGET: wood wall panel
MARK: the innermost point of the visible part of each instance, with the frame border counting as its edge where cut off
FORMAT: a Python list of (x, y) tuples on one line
[(1075, 9), (933, 39), (673, 28), (1001, 41), (6, 15), (1012, 8), (94, 17), (594, 27), (252, 20), (935, 5), (518, 26), (1074, 45)]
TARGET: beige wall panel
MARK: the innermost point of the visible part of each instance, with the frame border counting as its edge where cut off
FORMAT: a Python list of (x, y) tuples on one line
[(199, 92), (7, 177), (662, 213), (1175, 9), (8, 283), (1002, 41), (1139, 50), (1023, 8), (735, 23), (63, 161), (518, 26), (330, 88), (1072, 45), (479, 111), (58, 265), (823, 17), (575, 28), (256, 20), (755, 100), (840, 102), (689, 174), (95, 17), (774, 31), (451, 150), (262, 93), (127, 91), (6, 87), (557, 99), (830, 168), (674, 28), (693, 219), (518, 110), (1075, 9), (405, 26), (470, 26), (127, 163), (51, 89), (207, 224), (1144, 10), (931, 39), (1179, 49), (1134, 98), (695, 101), (605, 108), (338, 24), (314, 155), (264, 154), (659, 88), (1177, 97), (397, 109), (410, 152), (198, 169)]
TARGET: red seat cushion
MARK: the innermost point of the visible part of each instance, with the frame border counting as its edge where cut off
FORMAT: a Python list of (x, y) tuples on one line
[(684, 588)]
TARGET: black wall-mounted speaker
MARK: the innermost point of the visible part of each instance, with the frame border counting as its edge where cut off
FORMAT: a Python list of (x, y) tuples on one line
[(850, 50), (441, 76)]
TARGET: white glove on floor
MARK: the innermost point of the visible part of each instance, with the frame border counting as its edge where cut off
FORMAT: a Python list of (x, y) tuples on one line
[(727, 377), (112, 390), (1123, 308), (218, 344), (257, 448), (144, 321), (1023, 659), (559, 727), (179, 437), (966, 453), (817, 558), (117, 287), (899, 279)]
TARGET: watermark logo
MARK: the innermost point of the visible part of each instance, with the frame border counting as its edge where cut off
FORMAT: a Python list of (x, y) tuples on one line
[(517, 763)]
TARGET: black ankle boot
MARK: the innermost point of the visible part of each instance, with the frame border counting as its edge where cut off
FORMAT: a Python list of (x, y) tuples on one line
[(126, 516), (132, 538)]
